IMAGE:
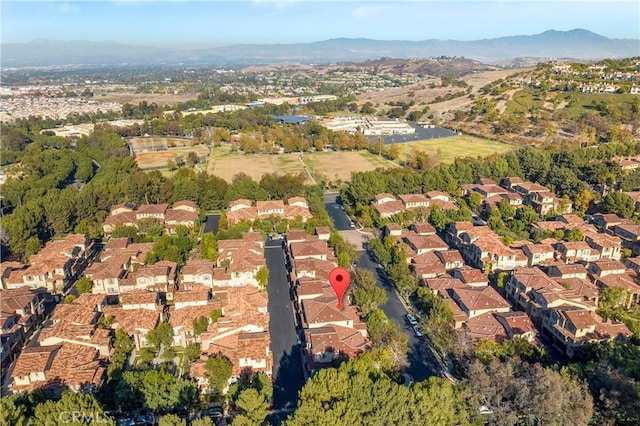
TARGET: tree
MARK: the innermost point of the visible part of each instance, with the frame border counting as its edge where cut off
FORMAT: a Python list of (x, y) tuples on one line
[(200, 325), (13, 410), (73, 408), (360, 393), (262, 276), (253, 407), (215, 315), (618, 203), (209, 246), (171, 420), (84, 285), (613, 302), (219, 369), (69, 298), (157, 390), (160, 336), (206, 421)]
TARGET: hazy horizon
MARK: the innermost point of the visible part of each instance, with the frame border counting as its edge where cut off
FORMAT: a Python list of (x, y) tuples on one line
[(200, 23)]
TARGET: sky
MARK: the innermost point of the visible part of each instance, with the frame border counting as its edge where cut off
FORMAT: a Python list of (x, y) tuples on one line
[(202, 23)]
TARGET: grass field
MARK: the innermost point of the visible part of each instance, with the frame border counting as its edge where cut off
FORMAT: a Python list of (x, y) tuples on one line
[(228, 165), (455, 147), (158, 159), (342, 164)]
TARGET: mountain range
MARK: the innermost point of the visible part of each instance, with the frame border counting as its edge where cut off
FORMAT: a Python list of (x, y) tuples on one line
[(578, 44)]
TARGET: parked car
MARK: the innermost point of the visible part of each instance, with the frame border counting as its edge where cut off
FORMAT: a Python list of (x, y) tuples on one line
[(417, 331), (411, 319)]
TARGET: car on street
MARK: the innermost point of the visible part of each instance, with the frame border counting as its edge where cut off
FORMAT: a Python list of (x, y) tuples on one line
[(417, 331), (411, 319)]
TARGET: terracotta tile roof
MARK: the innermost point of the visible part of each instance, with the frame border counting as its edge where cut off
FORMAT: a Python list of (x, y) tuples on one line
[(310, 248), (337, 339), (34, 359), (485, 326), (323, 230), (138, 297), (516, 323), (426, 242), (265, 206), (561, 269), (469, 275), (178, 216), (151, 209), (184, 296), (389, 208), (298, 200), (438, 194), (75, 365), (443, 283), (627, 281), (423, 228), (197, 267), (320, 310), (131, 321), (14, 300), (382, 196), (479, 298), (413, 198), (298, 235), (427, 264), (242, 202), (450, 256), (184, 317), (116, 243), (322, 268), (185, 204)]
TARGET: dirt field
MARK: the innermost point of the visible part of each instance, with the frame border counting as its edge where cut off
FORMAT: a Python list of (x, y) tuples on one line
[(227, 166), (342, 164), (455, 147), (135, 98), (157, 143), (158, 159)]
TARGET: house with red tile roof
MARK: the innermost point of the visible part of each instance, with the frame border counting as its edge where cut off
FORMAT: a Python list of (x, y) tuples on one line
[(576, 251), (450, 259), (571, 327), (426, 265), (538, 254), (485, 326), (414, 201), (470, 276), (476, 301), (197, 272), (58, 264), (609, 246), (383, 198), (21, 311), (242, 333), (627, 281), (243, 210), (58, 367), (531, 290), (183, 212), (517, 324)]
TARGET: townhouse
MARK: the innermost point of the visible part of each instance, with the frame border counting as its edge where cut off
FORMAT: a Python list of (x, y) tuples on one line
[(21, 311), (243, 210), (70, 350), (185, 213), (54, 268)]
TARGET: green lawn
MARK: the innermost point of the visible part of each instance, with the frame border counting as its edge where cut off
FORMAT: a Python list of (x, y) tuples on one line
[(455, 147)]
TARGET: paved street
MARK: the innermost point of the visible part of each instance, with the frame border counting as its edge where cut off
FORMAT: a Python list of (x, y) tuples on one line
[(340, 220), (422, 364), (288, 378)]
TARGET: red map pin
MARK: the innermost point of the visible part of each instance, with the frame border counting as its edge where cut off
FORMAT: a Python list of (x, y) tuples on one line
[(339, 278)]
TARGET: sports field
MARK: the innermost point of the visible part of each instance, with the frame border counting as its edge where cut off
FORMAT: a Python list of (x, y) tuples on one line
[(159, 159), (340, 165), (228, 165), (454, 147)]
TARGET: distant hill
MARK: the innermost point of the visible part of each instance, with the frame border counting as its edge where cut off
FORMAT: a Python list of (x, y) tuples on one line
[(576, 44)]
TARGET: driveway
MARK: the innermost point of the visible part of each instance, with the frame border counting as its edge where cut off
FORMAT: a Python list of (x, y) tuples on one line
[(288, 377)]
